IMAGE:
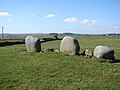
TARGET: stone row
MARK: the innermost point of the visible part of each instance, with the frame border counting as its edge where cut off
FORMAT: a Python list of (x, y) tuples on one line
[(70, 46)]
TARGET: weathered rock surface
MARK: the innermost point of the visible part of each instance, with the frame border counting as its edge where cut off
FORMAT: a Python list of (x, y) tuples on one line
[(32, 44), (104, 52), (69, 46)]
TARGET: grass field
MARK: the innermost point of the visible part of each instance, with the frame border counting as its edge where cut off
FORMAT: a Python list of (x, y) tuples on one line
[(21, 70)]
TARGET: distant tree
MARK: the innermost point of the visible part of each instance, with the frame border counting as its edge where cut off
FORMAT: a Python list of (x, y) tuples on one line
[(55, 35), (68, 34)]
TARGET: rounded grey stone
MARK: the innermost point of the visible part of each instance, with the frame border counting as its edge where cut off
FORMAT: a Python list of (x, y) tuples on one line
[(104, 52), (69, 46), (32, 44)]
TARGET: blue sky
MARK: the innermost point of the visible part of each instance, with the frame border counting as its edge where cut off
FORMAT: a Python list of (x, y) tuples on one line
[(60, 16)]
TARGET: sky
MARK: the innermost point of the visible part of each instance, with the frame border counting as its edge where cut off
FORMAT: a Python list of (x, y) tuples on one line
[(60, 16)]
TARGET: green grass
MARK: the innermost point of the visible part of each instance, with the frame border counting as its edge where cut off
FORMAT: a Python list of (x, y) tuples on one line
[(20, 70)]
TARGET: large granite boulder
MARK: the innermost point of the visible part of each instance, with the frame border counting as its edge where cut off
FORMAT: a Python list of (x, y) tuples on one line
[(104, 52), (69, 46), (32, 44)]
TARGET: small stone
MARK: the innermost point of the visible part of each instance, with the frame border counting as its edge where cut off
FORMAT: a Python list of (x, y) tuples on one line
[(88, 53), (57, 51)]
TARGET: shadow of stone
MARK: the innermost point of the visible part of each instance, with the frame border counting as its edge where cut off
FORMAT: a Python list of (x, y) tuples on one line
[(109, 60), (115, 61)]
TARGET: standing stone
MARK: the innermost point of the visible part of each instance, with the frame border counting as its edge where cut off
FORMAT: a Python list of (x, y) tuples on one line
[(104, 52), (33, 44), (69, 46)]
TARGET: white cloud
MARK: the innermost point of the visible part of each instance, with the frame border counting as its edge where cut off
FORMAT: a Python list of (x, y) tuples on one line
[(50, 15), (72, 20), (117, 26), (113, 27), (92, 22), (10, 20), (5, 14), (88, 21), (32, 14)]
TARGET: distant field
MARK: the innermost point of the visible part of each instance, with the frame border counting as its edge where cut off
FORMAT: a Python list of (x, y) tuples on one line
[(20, 70)]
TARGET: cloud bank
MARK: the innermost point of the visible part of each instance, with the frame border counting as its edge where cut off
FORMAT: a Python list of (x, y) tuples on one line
[(84, 21), (91, 22)]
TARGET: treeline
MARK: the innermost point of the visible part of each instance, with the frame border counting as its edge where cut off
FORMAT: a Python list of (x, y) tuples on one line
[(109, 34), (54, 35)]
